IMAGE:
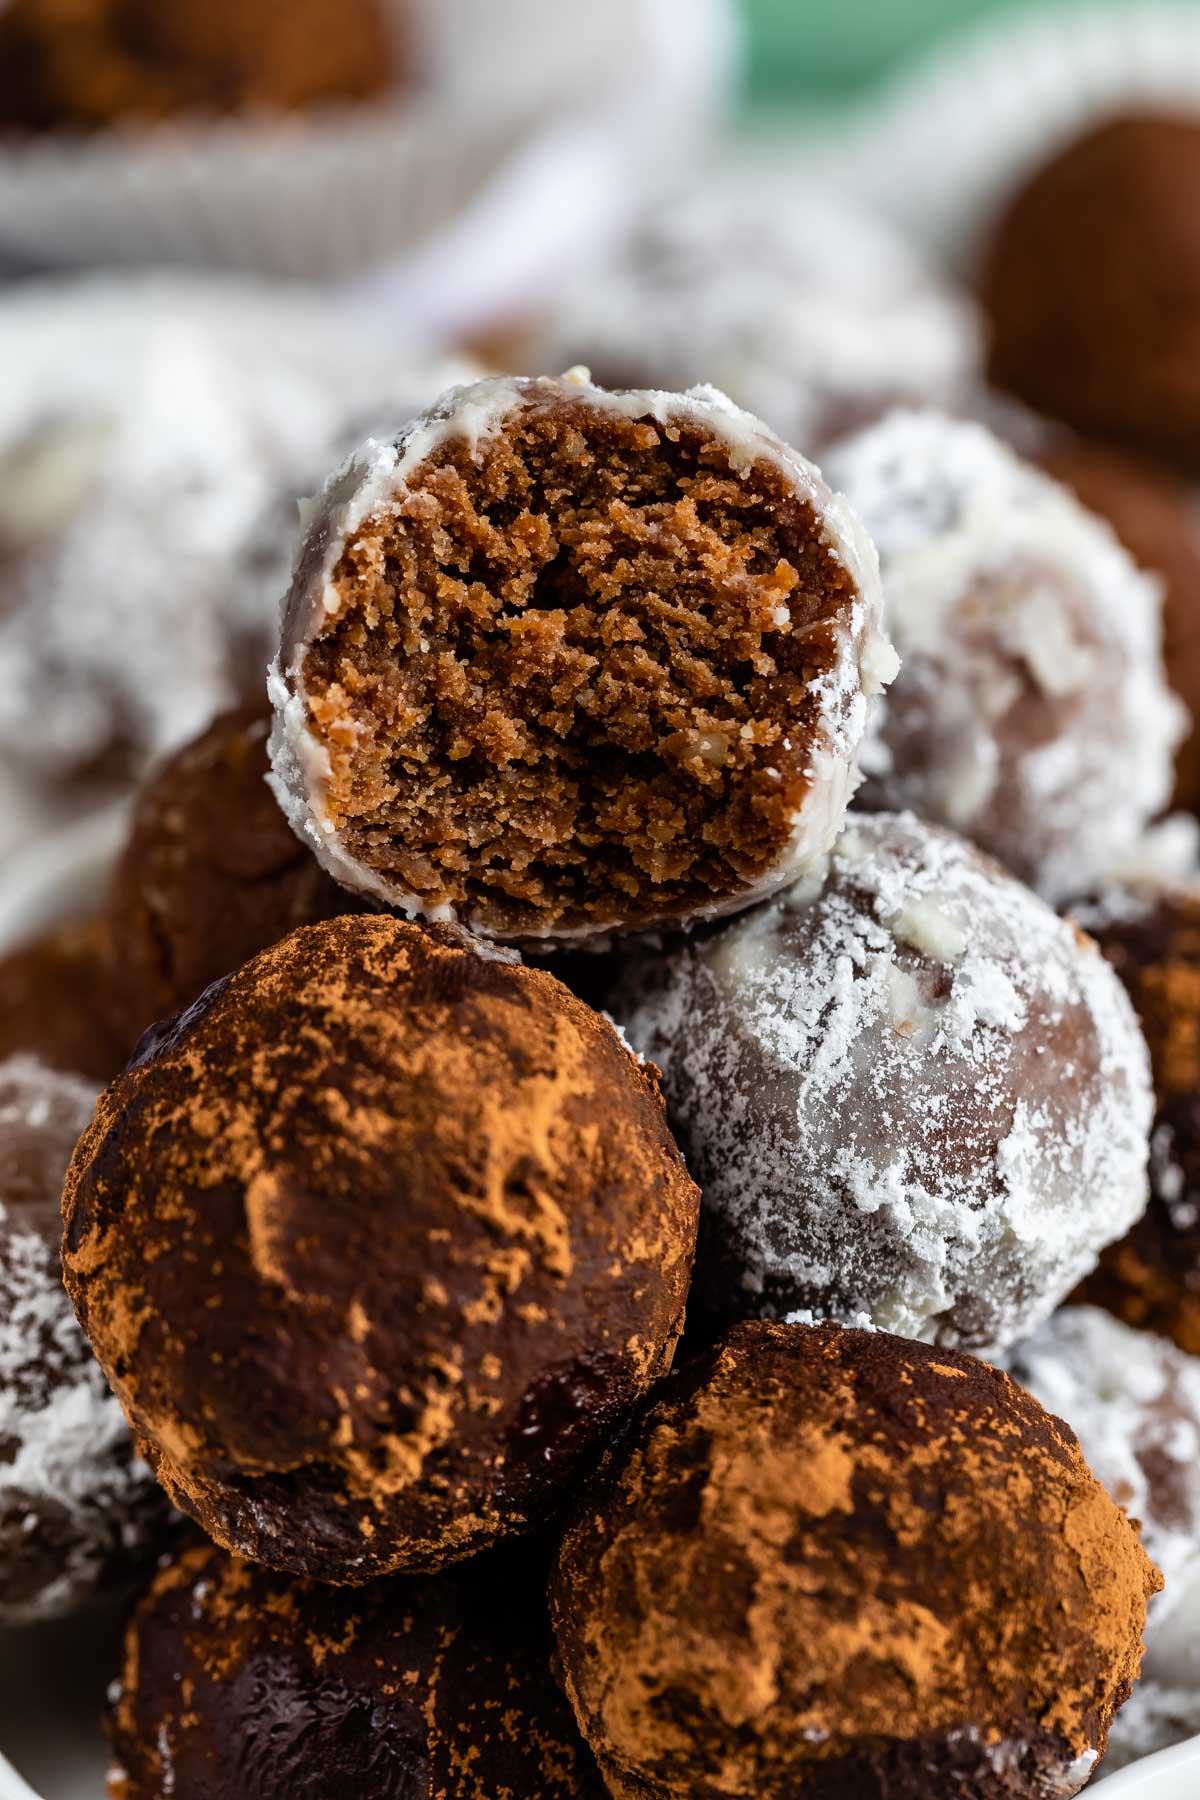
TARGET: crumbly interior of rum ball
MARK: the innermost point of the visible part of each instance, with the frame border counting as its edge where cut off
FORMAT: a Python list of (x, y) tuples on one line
[(570, 682)]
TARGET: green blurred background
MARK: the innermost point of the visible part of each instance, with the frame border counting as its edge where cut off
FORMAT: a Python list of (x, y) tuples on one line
[(829, 49)]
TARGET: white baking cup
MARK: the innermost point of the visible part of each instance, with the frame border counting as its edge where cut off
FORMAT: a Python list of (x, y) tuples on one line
[(943, 145), (616, 90)]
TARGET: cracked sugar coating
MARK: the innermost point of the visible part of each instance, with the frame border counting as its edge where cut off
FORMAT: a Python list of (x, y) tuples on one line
[(558, 662), (211, 874), (813, 316), (835, 1565), (240, 1682), (379, 1244), (78, 1511), (908, 1091), (1032, 712), (1134, 1401), (1151, 1277)]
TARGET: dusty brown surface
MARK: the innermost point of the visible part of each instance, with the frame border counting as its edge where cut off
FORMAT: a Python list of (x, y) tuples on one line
[(60, 1002), (378, 1245), (841, 1564)]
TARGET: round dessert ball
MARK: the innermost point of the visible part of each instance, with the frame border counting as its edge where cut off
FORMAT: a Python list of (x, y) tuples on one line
[(831, 1563), (211, 873), (559, 662), (78, 1511), (908, 1090), (1032, 711), (60, 1002), (1092, 286), (101, 62), (813, 316), (1157, 520), (241, 1682), (378, 1245), (1134, 1400), (146, 424), (1151, 1277)]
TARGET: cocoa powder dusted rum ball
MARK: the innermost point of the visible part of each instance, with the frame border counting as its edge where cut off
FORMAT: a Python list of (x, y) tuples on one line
[(378, 1244), (908, 1090), (1032, 711), (559, 662), (210, 874), (1092, 286), (79, 1513), (1134, 1400), (833, 1563), (238, 1681), (1151, 1277)]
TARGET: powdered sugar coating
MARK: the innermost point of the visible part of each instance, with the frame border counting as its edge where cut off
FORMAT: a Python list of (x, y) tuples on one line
[(907, 1089), (145, 425), (1033, 712), (1133, 1400), (813, 316), (77, 1508), (373, 482)]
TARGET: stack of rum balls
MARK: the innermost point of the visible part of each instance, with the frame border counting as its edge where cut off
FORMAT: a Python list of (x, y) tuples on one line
[(565, 1402)]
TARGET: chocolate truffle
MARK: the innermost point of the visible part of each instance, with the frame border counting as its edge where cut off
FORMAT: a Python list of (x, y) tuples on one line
[(812, 315), (378, 1244), (558, 662), (1158, 521), (60, 1002), (908, 1090), (832, 1563), (1092, 286), (211, 873), (240, 1682), (1152, 1276), (1032, 712), (1134, 1400), (102, 62), (145, 424), (78, 1511)]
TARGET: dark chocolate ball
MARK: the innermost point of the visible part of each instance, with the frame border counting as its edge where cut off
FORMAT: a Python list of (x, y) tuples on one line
[(1092, 284), (378, 1244), (838, 1565), (59, 1002), (1152, 1276), (243, 1683), (211, 874), (78, 1511)]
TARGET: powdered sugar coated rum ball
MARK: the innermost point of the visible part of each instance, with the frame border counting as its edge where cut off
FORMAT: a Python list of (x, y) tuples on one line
[(1032, 712), (908, 1090)]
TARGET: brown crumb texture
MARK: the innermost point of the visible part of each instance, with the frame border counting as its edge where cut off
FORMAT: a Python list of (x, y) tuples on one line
[(1151, 1278), (570, 682), (90, 63), (211, 874), (837, 1565), (378, 1244), (60, 1002), (239, 1682)]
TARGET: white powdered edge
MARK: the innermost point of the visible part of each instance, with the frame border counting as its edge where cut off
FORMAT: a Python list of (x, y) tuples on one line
[(374, 481)]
